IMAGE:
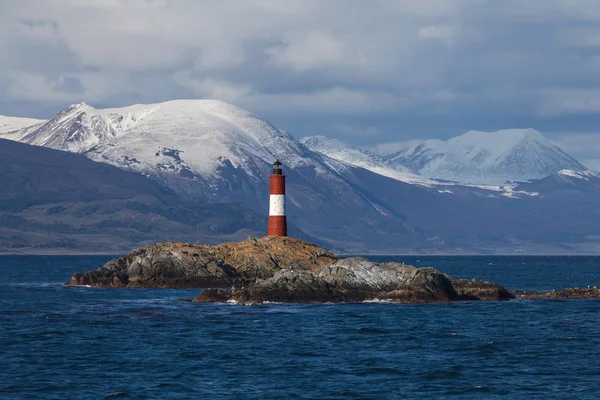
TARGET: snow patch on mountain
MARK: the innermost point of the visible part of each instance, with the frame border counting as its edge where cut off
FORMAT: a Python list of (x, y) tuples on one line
[(585, 175), (510, 155)]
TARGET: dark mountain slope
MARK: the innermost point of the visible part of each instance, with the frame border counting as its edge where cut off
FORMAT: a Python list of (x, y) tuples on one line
[(65, 202)]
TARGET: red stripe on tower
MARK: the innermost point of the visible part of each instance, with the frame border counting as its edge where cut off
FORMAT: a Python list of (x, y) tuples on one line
[(277, 222)]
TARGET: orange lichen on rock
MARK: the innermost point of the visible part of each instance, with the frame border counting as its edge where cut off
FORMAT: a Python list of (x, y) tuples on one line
[(261, 258)]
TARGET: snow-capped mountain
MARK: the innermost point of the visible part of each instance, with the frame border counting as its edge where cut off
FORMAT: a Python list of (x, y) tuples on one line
[(479, 157), (361, 158), (218, 153), (186, 137), (11, 124)]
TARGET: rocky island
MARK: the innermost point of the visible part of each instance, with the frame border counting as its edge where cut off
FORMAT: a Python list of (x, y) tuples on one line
[(283, 269)]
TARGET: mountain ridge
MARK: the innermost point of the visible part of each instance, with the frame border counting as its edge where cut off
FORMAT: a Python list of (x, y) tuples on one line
[(477, 157), (12, 124), (214, 153), (361, 158), (52, 200)]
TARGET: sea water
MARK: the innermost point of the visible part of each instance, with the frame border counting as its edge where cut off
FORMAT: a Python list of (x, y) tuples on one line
[(60, 342)]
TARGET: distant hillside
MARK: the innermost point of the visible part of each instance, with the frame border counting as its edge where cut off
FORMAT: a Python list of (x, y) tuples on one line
[(57, 201)]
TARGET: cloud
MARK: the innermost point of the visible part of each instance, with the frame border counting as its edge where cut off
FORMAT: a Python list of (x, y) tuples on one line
[(448, 34), (309, 50), (349, 129), (569, 101), (211, 87), (33, 87), (386, 70), (585, 147), (69, 84), (336, 100)]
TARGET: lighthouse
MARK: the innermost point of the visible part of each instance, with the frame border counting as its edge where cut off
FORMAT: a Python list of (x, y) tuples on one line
[(277, 222)]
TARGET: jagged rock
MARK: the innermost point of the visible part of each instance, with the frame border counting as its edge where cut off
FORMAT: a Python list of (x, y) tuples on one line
[(358, 279), (185, 265)]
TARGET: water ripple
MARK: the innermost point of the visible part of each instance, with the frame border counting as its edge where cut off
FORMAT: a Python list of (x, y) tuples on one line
[(81, 343)]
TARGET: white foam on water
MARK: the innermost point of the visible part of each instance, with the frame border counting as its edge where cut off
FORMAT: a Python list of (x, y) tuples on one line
[(376, 300)]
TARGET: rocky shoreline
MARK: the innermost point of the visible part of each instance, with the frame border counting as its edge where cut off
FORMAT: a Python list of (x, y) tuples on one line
[(186, 265), (283, 269)]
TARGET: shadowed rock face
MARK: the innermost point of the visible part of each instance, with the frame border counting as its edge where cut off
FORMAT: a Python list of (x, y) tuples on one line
[(358, 279), (474, 289), (185, 265)]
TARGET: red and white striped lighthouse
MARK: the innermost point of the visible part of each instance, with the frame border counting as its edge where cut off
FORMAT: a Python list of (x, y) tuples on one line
[(277, 222)]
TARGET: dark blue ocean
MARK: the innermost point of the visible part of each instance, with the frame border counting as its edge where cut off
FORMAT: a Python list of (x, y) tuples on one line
[(89, 343)]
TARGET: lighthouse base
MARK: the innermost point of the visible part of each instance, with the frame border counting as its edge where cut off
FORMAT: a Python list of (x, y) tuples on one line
[(277, 225)]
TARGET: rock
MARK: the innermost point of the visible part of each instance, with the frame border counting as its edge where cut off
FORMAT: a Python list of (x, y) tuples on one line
[(261, 258), (289, 287), (362, 279), (474, 289), (570, 293), (357, 280), (281, 269), (213, 296), (166, 264), (575, 293), (185, 265)]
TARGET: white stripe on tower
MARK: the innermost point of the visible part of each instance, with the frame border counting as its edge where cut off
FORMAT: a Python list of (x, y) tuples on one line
[(277, 205), (277, 222)]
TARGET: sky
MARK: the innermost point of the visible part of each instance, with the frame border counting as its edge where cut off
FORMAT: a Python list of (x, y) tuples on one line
[(374, 73)]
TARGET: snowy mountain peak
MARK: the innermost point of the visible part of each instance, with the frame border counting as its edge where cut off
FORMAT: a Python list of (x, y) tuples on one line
[(199, 139), (184, 137), (336, 149), (489, 147), (361, 158), (504, 137), (478, 157)]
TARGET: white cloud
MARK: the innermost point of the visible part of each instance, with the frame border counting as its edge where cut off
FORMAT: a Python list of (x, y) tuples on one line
[(334, 101), (447, 34), (314, 49), (568, 101), (220, 56), (585, 147), (33, 87), (349, 129), (383, 60), (212, 88)]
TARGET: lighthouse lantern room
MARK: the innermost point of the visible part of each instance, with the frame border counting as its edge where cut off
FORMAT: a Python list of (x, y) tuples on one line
[(277, 221)]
